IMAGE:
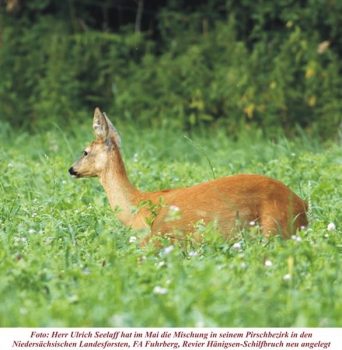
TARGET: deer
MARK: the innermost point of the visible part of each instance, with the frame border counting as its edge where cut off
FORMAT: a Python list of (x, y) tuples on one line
[(233, 202)]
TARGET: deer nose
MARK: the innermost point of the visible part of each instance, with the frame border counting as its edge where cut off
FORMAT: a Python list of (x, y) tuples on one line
[(72, 171)]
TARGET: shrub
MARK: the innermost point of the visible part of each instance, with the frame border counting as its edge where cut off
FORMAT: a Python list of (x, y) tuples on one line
[(239, 65)]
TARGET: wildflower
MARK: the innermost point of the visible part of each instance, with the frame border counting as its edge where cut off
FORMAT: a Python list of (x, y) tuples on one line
[(252, 223), (287, 277), (331, 226), (10, 165), (268, 263), (243, 265), (159, 290), (132, 239), (161, 264), (193, 253), (174, 208), (237, 246), (169, 249), (31, 231)]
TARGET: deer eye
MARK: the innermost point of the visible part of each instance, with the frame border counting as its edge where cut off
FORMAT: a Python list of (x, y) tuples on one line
[(85, 153)]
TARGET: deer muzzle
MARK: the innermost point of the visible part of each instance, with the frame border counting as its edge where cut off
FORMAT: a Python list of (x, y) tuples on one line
[(72, 172)]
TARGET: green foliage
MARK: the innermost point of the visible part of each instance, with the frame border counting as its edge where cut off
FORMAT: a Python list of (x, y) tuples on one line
[(237, 64), (66, 261)]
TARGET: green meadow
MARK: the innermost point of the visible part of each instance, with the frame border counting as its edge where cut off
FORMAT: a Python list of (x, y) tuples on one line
[(65, 260)]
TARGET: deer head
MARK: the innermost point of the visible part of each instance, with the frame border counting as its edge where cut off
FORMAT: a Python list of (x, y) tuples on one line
[(95, 157)]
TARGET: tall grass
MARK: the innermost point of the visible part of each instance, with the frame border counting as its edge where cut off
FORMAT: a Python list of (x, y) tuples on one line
[(66, 261)]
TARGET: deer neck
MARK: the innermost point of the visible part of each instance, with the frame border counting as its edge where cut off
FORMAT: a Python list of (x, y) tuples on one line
[(120, 192)]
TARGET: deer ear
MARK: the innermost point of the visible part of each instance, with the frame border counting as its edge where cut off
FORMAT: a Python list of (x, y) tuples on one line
[(113, 132), (104, 128), (100, 125)]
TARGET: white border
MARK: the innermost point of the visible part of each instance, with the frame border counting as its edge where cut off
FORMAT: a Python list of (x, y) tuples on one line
[(171, 338)]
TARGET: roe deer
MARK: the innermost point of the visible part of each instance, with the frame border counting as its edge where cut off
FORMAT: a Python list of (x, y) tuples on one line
[(232, 202)]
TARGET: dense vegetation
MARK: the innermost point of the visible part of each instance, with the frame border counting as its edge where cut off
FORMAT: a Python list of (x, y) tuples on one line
[(226, 73), (66, 261), (235, 64)]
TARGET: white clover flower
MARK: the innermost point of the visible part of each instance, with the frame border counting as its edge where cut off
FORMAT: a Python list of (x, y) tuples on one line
[(169, 249), (161, 264), (243, 265), (298, 239), (287, 277), (31, 231), (268, 263), (174, 208), (252, 223), (331, 226), (237, 246), (10, 165), (159, 290), (132, 239), (193, 253), (294, 237)]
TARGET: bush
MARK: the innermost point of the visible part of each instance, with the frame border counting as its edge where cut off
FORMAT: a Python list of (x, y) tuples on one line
[(238, 65)]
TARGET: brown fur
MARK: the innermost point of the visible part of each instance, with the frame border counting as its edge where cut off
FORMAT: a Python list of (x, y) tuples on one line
[(232, 202), (243, 198)]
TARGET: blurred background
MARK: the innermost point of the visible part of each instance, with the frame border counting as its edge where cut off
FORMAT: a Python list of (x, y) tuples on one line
[(228, 64)]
